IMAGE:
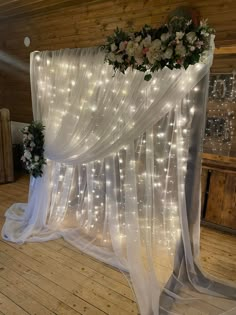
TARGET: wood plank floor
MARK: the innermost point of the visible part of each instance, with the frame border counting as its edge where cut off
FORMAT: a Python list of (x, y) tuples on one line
[(55, 278)]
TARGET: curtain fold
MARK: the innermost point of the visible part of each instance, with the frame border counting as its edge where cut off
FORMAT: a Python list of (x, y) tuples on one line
[(122, 179)]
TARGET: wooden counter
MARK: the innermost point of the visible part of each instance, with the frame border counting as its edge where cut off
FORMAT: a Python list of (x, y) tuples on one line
[(219, 191)]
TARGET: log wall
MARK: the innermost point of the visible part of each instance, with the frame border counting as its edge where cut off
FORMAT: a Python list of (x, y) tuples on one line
[(63, 24)]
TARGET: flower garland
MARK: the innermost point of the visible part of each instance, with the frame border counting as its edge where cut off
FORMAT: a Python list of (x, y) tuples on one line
[(33, 142), (178, 44)]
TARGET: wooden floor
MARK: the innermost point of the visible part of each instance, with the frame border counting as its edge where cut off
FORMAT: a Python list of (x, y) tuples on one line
[(55, 278)]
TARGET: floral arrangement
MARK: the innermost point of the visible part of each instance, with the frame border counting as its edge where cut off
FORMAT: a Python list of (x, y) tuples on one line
[(33, 142), (178, 44)]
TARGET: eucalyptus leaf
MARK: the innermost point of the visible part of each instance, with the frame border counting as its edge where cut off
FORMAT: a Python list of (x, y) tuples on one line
[(147, 77)]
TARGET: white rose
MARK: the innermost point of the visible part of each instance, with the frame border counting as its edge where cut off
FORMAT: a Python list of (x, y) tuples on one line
[(138, 55), (131, 46), (163, 47), (191, 37), (26, 129), (146, 42), (112, 57), (156, 44), (180, 50), (165, 36), (138, 39), (119, 58), (36, 158), (32, 144), (27, 154), (168, 53), (122, 45), (154, 52), (153, 55), (30, 136), (139, 60), (179, 35), (113, 47)]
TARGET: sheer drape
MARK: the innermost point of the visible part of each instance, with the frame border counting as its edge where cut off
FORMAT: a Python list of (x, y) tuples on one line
[(122, 180)]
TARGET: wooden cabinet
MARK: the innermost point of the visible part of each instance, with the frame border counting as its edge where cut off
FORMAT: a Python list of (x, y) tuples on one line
[(6, 158), (219, 191)]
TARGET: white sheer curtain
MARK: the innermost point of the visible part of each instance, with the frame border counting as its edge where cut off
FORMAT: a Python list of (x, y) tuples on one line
[(122, 180)]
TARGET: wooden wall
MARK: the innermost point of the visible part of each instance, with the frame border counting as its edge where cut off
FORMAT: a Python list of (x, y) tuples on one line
[(219, 191), (88, 23)]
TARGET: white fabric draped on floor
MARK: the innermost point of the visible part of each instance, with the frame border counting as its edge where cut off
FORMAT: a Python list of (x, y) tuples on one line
[(122, 180)]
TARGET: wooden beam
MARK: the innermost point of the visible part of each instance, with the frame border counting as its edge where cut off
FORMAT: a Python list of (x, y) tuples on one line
[(228, 50)]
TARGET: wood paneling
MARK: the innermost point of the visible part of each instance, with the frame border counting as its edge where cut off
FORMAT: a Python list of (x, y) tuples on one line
[(65, 23), (16, 8), (6, 163), (221, 206), (204, 176), (221, 196), (220, 163)]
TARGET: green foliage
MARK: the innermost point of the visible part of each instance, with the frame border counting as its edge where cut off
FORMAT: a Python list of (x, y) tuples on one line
[(176, 45), (33, 143)]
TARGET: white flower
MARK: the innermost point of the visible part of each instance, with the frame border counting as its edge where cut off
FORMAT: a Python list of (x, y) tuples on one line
[(192, 48), (156, 44), (191, 37), (165, 36), (179, 35), (138, 39), (27, 155), (119, 58), (23, 158), (36, 158), (131, 46), (122, 45), (112, 57), (146, 42), (163, 47), (168, 53), (32, 144), (113, 47), (154, 52), (30, 136), (180, 50), (204, 33), (138, 55), (26, 129)]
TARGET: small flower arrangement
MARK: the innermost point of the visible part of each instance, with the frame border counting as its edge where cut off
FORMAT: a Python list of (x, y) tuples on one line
[(178, 44), (33, 142)]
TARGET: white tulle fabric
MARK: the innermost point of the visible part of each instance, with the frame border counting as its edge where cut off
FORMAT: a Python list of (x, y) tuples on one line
[(122, 181)]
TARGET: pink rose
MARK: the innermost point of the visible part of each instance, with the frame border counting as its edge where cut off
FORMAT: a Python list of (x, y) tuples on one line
[(199, 44), (145, 50)]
